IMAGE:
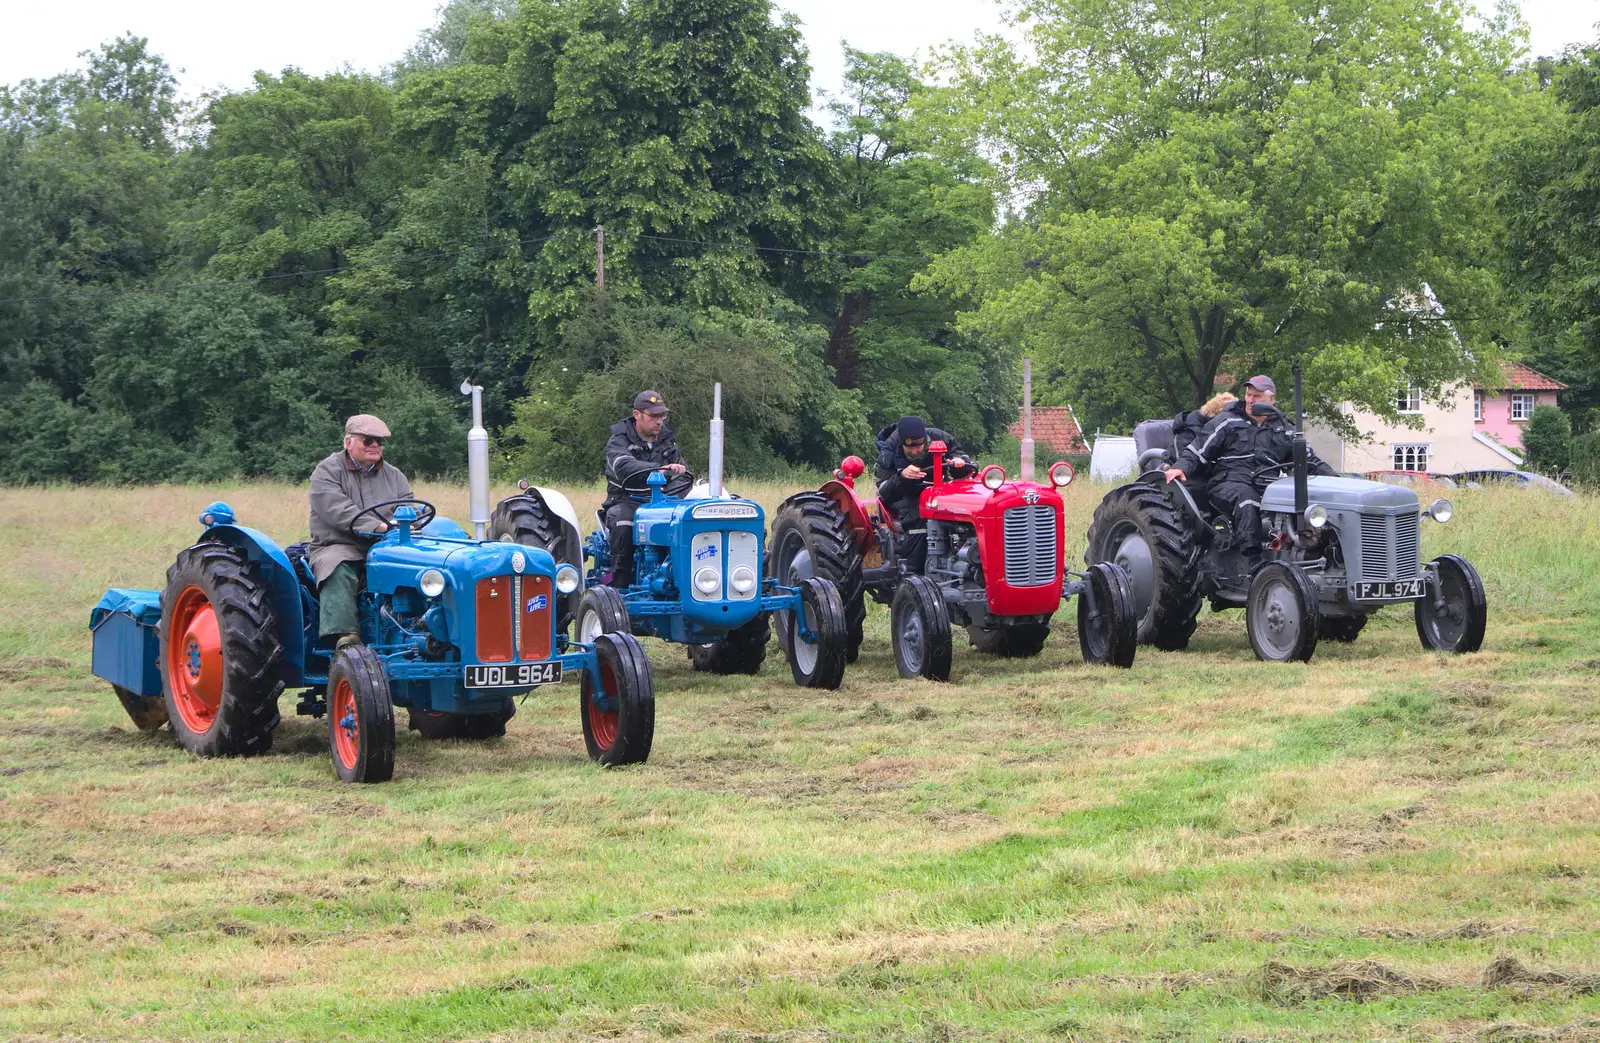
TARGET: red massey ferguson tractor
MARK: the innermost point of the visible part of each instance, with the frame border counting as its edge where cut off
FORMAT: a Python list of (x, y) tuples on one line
[(994, 566)]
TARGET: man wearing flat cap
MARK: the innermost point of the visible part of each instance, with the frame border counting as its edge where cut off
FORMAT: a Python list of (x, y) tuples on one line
[(639, 444), (343, 485), (1233, 450), (905, 468)]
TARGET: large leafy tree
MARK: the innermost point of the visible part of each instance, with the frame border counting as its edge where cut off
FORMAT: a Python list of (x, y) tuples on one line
[(1207, 188)]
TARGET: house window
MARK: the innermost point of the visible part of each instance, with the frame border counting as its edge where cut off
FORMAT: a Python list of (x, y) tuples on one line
[(1411, 457), (1408, 399), (1477, 406), (1521, 406)]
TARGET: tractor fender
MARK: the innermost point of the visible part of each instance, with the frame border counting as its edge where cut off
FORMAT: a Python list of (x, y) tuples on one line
[(854, 510), (558, 504), (278, 574)]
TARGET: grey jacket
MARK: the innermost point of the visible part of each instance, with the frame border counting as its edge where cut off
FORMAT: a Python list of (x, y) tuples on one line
[(339, 491)]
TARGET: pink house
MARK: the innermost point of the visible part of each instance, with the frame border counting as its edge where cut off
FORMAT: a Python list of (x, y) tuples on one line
[(1502, 412)]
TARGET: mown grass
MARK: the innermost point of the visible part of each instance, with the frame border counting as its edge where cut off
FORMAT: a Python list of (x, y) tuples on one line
[(1202, 847)]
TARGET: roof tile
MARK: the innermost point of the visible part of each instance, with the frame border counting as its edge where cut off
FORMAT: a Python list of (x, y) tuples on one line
[(1054, 427)]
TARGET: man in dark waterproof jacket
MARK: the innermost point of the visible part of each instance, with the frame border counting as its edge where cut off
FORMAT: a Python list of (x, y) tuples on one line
[(639, 444), (905, 468), (1232, 450)]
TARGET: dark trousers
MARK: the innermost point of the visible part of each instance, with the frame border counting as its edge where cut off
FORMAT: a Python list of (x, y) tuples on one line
[(336, 600), (619, 532), (1243, 501)]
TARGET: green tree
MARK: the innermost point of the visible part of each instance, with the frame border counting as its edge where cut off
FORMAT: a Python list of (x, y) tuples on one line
[(1207, 188), (1547, 441)]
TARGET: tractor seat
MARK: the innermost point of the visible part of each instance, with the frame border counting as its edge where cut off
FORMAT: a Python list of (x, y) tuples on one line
[(1151, 437)]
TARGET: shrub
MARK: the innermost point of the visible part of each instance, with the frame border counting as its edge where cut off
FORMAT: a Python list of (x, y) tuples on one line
[(1547, 443)]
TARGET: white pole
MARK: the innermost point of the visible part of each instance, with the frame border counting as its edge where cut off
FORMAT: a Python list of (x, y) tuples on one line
[(477, 462), (716, 441), (1025, 472)]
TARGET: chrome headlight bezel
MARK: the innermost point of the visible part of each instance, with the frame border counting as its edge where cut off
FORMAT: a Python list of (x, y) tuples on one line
[(993, 477), (1061, 474), (568, 579), (431, 582), (742, 579), (1441, 510), (1316, 516), (708, 582)]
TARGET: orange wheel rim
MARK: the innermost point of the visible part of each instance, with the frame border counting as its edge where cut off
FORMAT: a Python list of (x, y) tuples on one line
[(603, 723), (194, 660), (345, 723)]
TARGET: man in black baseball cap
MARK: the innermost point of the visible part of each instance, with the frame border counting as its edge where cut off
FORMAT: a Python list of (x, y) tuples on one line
[(905, 469), (639, 444)]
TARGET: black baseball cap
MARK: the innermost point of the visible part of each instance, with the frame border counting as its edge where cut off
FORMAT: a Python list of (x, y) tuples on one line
[(912, 429), (649, 402)]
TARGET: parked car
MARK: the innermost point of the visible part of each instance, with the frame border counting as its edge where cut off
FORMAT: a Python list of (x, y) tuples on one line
[(1526, 479), (1413, 479)]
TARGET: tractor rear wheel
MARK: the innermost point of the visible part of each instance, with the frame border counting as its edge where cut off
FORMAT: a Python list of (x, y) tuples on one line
[(526, 520), (1344, 629), (919, 626), (742, 651), (1023, 641), (619, 717), (819, 662), (1281, 614), (360, 717), (812, 537), (1457, 621), (219, 653), (601, 610), (1137, 528), (1108, 625)]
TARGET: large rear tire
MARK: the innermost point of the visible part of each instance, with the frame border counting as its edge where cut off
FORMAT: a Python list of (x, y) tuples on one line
[(1023, 641), (360, 717), (526, 520), (742, 651), (1281, 614), (1137, 528), (812, 537), (1458, 625), (619, 718), (919, 626), (819, 662), (1108, 626), (219, 653)]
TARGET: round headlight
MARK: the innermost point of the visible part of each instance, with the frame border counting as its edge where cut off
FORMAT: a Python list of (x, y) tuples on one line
[(1316, 516), (567, 579), (431, 582), (742, 579), (994, 476), (707, 582), (1061, 474), (1442, 511)]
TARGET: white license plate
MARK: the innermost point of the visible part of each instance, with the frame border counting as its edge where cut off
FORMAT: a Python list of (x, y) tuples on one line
[(514, 675), (1391, 590)]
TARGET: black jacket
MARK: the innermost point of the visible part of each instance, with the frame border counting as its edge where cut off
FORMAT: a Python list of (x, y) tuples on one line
[(629, 460), (903, 495), (1185, 428), (1233, 447)]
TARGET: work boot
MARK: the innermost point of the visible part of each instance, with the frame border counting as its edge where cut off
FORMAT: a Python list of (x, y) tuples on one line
[(347, 641)]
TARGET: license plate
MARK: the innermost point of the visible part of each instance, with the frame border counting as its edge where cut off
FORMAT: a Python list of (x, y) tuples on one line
[(1391, 590), (514, 675)]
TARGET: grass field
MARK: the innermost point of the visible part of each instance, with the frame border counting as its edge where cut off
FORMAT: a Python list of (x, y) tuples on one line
[(1381, 844)]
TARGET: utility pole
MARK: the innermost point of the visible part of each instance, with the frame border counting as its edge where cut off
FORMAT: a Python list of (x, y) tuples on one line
[(600, 258), (1025, 472)]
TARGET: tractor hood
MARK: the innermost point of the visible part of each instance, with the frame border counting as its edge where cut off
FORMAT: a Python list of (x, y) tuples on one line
[(392, 564), (659, 523), (1341, 493)]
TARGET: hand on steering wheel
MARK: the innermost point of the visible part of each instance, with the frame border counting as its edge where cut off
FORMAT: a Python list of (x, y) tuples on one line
[(424, 517)]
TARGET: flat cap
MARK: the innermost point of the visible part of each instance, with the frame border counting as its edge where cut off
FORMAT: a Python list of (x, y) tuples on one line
[(649, 402), (366, 424), (1262, 383)]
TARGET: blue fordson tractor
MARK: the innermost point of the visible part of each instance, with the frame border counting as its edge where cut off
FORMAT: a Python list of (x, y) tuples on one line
[(453, 628), (699, 578)]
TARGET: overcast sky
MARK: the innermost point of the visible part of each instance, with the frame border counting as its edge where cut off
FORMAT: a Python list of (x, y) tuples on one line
[(219, 44)]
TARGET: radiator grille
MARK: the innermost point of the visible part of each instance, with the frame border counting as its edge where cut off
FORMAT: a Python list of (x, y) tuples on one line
[(1406, 550), (1031, 546), (1389, 546), (1374, 547)]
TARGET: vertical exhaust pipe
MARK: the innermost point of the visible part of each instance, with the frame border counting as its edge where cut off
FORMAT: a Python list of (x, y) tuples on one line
[(1025, 471), (1301, 496), (477, 462), (716, 441)]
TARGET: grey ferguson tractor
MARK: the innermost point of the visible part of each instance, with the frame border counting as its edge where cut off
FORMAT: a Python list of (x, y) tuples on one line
[(1338, 550)]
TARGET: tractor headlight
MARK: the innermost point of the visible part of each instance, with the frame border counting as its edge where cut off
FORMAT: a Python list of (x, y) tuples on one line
[(742, 579), (431, 582), (707, 582), (1316, 516), (1061, 474), (567, 579), (994, 476), (1441, 511)]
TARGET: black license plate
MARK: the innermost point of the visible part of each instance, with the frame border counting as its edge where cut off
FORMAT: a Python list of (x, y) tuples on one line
[(1392, 590), (514, 675)]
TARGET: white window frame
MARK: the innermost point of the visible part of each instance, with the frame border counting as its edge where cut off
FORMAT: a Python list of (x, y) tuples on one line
[(1414, 453), (1408, 400), (1523, 398), (1477, 407)]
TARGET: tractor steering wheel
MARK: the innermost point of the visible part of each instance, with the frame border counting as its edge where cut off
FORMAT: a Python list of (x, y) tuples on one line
[(428, 513), (1279, 469)]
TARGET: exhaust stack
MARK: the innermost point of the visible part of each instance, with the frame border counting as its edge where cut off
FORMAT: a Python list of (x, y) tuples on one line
[(715, 477), (477, 462), (1301, 496), (1025, 471)]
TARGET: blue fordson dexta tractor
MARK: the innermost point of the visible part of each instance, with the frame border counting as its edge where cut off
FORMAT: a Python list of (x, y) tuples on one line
[(699, 578), (453, 628)]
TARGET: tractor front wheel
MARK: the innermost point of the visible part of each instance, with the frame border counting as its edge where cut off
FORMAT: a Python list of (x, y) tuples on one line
[(812, 537), (1108, 623), (1138, 529), (601, 611), (360, 717), (219, 653), (1453, 617), (619, 715), (818, 661), (1281, 614), (920, 627)]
